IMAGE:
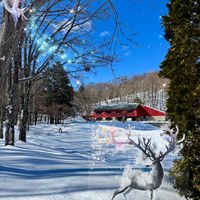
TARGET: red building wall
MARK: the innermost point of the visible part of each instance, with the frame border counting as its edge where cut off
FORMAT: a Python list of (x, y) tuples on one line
[(139, 111), (147, 111)]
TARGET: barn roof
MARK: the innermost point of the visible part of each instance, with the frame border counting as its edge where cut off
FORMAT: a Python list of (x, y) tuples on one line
[(121, 106)]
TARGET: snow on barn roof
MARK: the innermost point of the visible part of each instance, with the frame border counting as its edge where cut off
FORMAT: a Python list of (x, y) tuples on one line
[(121, 106)]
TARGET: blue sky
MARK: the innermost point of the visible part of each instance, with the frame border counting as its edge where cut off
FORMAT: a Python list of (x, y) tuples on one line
[(142, 17)]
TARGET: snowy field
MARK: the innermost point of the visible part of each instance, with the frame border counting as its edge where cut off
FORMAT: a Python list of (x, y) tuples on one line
[(75, 164)]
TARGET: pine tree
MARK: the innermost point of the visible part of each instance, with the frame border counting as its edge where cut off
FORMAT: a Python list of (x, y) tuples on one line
[(58, 93), (182, 67), (138, 100)]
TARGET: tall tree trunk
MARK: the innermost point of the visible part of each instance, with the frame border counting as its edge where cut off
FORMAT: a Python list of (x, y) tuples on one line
[(2, 112), (7, 33), (35, 113), (9, 42), (25, 111), (6, 42), (10, 127), (11, 108), (30, 118), (35, 117), (23, 121), (1, 124)]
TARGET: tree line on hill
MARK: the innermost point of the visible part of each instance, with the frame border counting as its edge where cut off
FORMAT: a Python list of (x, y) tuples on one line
[(147, 89)]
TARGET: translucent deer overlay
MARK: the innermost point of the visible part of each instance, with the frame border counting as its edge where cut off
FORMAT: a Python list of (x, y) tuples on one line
[(152, 180)]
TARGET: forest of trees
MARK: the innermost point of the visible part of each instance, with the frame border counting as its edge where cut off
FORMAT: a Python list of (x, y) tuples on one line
[(182, 68), (148, 89), (44, 47)]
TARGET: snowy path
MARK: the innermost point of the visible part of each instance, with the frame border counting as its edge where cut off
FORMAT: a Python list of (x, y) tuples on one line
[(56, 166)]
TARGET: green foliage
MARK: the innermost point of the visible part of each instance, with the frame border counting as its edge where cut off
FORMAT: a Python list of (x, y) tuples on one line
[(182, 67), (138, 100), (180, 168), (58, 90)]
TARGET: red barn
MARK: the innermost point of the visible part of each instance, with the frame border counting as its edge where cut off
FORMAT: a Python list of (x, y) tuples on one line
[(127, 111)]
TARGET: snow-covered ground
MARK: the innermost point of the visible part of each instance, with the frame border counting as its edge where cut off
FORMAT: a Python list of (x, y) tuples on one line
[(75, 164)]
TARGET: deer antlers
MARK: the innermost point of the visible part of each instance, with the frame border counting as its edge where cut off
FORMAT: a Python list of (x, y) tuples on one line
[(144, 145), (147, 149), (172, 142)]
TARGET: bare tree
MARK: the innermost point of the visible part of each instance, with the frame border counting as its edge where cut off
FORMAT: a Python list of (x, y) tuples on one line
[(54, 31), (10, 39), (147, 88)]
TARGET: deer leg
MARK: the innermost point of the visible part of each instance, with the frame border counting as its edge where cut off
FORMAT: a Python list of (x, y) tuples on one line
[(118, 191), (127, 192), (151, 197)]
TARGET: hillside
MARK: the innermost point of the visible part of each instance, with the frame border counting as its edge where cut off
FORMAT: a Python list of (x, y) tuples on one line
[(148, 89)]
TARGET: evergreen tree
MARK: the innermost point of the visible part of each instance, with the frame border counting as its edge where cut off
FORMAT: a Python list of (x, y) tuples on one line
[(58, 93), (138, 100), (182, 67)]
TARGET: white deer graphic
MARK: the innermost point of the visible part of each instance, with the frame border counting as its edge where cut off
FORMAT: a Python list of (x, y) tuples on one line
[(153, 180)]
